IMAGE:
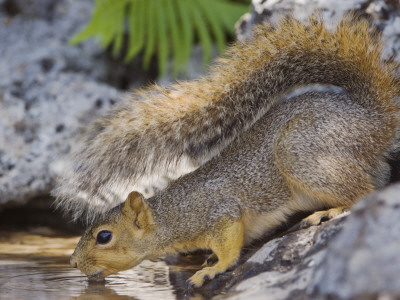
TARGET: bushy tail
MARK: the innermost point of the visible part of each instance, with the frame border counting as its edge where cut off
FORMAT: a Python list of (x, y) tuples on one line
[(157, 128)]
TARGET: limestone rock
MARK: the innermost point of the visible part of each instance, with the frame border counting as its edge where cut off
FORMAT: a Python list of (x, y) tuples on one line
[(383, 13), (43, 100), (354, 256), (363, 260)]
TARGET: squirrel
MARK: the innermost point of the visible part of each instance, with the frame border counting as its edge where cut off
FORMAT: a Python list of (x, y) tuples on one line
[(263, 151)]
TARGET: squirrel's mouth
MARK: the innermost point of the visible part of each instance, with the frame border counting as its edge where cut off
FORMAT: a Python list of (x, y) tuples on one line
[(98, 276)]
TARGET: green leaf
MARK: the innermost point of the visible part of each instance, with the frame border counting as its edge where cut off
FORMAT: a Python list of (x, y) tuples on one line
[(204, 34), (215, 21), (136, 20), (163, 50), (106, 23), (113, 17), (90, 30), (150, 32), (118, 33), (161, 27), (187, 28), (233, 11), (172, 25)]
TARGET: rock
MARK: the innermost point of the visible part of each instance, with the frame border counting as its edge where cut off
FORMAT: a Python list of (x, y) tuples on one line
[(364, 258), (273, 10), (283, 267), (43, 100), (383, 14), (38, 123), (391, 35), (354, 256), (27, 30)]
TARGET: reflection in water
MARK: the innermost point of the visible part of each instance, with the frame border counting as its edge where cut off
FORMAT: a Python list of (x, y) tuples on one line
[(47, 278), (36, 267)]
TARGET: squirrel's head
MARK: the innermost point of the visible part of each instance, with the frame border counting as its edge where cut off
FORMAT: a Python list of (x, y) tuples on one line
[(120, 241)]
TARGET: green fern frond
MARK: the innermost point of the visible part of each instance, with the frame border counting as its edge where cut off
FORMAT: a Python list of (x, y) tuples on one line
[(163, 47), (163, 27), (151, 31), (136, 17), (203, 32), (106, 22), (187, 38), (217, 28), (176, 34)]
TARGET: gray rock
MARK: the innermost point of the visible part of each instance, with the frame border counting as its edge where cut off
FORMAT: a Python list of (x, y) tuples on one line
[(273, 10), (383, 14), (36, 44), (354, 256), (283, 268), (43, 100), (391, 35), (364, 258), (37, 125)]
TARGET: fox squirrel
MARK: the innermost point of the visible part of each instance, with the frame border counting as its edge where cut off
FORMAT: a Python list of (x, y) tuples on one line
[(263, 154)]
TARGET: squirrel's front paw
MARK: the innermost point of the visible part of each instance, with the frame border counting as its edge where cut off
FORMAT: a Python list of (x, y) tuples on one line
[(198, 279)]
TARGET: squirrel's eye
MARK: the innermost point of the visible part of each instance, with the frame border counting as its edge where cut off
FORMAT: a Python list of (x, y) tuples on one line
[(103, 237)]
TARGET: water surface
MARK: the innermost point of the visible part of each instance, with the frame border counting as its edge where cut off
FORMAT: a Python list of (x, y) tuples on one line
[(34, 265)]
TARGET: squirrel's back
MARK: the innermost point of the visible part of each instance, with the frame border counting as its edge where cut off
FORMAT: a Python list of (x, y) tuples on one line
[(196, 120)]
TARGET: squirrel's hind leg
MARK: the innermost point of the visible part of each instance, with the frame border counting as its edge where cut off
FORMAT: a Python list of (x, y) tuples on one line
[(330, 155), (226, 241), (323, 215)]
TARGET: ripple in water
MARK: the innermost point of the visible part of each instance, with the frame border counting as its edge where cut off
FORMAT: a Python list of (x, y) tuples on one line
[(51, 279)]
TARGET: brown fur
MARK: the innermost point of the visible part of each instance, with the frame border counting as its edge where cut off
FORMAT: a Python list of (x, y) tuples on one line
[(321, 148)]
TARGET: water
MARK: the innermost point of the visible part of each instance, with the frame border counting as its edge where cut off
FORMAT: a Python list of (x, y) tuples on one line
[(35, 266)]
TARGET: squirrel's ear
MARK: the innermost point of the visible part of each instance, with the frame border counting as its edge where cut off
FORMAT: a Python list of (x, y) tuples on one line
[(134, 202), (136, 206)]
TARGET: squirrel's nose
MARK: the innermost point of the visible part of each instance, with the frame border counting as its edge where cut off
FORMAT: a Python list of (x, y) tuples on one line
[(73, 262)]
